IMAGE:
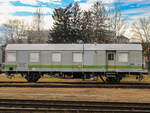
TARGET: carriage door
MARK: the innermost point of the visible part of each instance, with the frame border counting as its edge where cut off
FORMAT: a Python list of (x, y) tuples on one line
[(110, 61)]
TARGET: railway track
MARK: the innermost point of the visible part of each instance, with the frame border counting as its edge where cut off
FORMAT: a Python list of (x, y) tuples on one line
[(54, 106), (75, 85)]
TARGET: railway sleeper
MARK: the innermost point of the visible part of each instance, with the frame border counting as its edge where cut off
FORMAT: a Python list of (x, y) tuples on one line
[(40, 110), (66, 106)]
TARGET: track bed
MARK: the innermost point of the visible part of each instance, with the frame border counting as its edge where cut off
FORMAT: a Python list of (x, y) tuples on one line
[(55, 106)]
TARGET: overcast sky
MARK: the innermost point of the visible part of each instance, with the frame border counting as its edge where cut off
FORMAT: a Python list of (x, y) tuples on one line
[(24, 9)]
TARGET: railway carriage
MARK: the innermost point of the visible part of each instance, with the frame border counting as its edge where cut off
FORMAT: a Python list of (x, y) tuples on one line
[(85, 60)]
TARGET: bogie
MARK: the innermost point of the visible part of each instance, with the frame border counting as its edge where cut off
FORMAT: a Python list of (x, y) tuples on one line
[(32, 77)]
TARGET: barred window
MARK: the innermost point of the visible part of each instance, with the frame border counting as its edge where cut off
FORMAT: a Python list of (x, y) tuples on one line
[(110, 56)]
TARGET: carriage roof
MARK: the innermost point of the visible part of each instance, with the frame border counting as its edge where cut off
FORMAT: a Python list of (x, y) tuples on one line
[(74, 47)]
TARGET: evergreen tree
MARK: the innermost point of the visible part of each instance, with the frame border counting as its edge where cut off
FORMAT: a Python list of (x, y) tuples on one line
[(61, 33), (99, 23), (86, 27), (71, 25), (67, 26), (76, 23)]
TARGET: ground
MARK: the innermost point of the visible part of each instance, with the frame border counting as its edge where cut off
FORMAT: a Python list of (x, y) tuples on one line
[(91, 94)]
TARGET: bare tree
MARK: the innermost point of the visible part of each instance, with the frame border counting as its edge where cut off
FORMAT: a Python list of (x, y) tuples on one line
[(142, 31), (116, 21), (16, 30), (38, 19), (37, 26)]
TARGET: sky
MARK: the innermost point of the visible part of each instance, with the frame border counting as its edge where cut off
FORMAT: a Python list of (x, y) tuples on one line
[(24, 9)]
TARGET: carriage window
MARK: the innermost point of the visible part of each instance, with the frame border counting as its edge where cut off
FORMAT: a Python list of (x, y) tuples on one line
[(34, 57), (11, 57), (77, 57), (56, 57), (110, 56), (123, 57)]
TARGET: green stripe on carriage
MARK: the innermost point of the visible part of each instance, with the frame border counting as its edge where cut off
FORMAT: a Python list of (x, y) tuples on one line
[(88, 66), (54, 66), (124, 67), (94, 66), (10, 66)]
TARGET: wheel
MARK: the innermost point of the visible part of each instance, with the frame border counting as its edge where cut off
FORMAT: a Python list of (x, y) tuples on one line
[(33, 77)]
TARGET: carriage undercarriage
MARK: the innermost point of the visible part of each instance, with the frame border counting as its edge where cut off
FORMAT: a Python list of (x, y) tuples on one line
[(106, 77)]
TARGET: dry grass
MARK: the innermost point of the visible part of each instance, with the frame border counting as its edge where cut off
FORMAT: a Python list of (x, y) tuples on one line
[(4, 77), (133, 79), (93, 94)]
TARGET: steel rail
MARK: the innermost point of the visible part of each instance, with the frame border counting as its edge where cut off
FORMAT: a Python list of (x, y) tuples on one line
[(75, 85), (52, 106)]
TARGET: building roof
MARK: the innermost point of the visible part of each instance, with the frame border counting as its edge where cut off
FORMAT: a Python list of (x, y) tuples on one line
[(74, 47)]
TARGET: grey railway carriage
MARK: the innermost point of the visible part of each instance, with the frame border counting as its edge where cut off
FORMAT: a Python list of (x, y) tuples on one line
[(84, 60)]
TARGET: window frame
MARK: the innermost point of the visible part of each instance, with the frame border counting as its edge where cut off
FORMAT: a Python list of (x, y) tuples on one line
[(111, 57), (60, 57), (73, 57), (126, 57), (30, 57), (15, 57)]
